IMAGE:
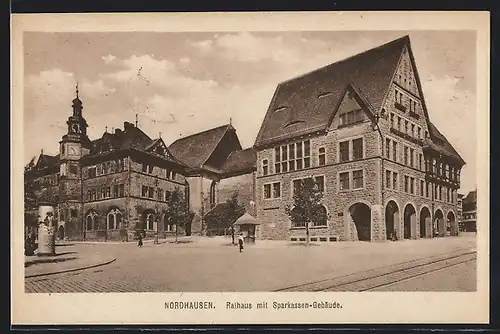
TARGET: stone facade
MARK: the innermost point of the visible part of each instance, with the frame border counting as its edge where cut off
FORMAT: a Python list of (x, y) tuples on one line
[(407, 189)]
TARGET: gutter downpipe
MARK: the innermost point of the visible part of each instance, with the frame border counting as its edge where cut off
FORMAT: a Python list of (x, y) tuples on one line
[(377, 127)]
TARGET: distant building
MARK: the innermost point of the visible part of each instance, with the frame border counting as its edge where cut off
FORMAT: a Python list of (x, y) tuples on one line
[(361, 128), (469, 207), (459, 210)]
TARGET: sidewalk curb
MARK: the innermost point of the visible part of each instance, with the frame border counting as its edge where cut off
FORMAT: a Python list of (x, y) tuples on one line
[(71, 270)]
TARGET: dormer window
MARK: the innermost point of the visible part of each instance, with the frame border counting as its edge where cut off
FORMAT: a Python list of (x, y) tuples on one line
[(293, 123), (324, 94), (281, 108)]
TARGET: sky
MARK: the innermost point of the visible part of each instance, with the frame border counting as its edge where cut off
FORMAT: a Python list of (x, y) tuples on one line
[(183, 83)]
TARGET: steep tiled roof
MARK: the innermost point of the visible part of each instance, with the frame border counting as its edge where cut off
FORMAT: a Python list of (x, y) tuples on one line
[(442, 144), (313, 97), (195, 149), (471, 197), (242, 160), (130, 137), (45, 160)]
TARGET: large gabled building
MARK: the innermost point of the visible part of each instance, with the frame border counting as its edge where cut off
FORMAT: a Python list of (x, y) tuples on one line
[(361, 128)]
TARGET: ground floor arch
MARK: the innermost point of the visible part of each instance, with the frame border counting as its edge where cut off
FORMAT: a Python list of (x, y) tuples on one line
[(360, 221), (391, 220), (451, 223), (439, 228), (410, 222), (425, 223)]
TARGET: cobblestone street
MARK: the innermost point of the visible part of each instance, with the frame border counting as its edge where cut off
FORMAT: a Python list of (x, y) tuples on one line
[(267, 266)]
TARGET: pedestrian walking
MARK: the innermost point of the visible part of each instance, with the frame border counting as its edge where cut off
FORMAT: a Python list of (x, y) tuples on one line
[(241, 242), (140, 239)]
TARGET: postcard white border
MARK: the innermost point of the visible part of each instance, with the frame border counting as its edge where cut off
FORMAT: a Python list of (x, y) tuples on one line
[(148, 308)]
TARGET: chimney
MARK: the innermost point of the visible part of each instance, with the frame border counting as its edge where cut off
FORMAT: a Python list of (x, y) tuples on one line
[(127, 125), (118, 131)]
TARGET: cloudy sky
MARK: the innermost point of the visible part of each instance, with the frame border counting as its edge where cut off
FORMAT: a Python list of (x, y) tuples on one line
[(182, 83)]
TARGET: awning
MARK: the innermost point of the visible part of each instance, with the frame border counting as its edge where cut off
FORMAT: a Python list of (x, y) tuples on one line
[(247, 219)]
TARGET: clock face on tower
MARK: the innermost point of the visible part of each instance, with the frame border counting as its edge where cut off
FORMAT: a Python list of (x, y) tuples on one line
[(74, 150)]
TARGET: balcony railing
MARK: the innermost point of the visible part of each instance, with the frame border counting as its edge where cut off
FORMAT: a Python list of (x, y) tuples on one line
[(407, 137), (440, 179), (400, 106)]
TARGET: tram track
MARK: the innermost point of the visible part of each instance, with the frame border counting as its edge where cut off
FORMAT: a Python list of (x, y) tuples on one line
[(387, 275)]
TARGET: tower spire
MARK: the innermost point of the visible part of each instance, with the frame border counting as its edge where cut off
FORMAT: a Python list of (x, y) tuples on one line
[(77, 90), (136, 120)]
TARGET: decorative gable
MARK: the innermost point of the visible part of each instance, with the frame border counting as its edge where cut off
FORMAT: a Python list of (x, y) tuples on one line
[(160, 149), (351, 110)]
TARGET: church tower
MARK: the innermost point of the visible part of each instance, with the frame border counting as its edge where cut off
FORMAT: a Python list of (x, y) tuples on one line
[(73, 146)]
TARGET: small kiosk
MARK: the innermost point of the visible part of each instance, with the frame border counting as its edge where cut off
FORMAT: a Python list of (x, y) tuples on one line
[(247, 225)]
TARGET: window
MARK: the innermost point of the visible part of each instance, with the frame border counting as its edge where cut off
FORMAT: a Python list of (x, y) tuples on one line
[(321, 156), (399, 124), (406, 126), (293, 157), (147, 168), (357, 148), (440, 193), (320, 182), (267, 191), (167, 195), (276, 190), (114, 218), (89, 195), (412, 153), (103, 193), (406, 155), (265, 167), (108, 192), (150, 221), (296, 223), (406, 183), (357, 178), (394, 180), (144, 191), (159, 194), (412, 185), (277, 159), (388, 179), (419, 133), (344, 151), (420, 161), (344, 181), (92, 172), (412, 130), (394, 151), (151, 192), (94, 195), (168, 173), (388, 148), (427, 186), (74, 213), (393, 125), (351, 117), (422, 185), (119, 165), (121, 190), (320, 218), (115, 190), (91, 221), (72, 169)]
